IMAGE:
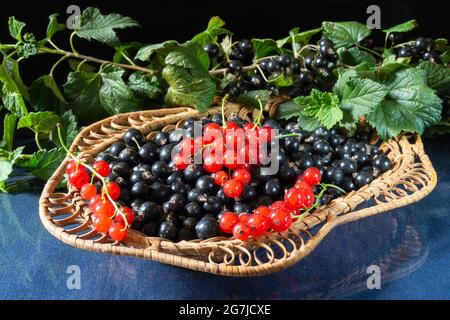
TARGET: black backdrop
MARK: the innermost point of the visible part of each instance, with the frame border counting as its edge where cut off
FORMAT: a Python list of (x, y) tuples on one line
[(166, 19)]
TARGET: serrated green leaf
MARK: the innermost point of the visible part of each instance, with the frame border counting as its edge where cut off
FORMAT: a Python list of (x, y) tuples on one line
[(189, 87), (46, 96), (354, 56), (128, 49), (7, 160), (43, 121), (212, 32), (403, 27), (11, 95), (12, 67), (163, 48), (188, 55), (281, 80), (438, 77), (323, 106), (298, 37), (115, 96), (82, 93), (54, 26), (409, 106), (15, 28), (288, 109), (264, 47), (254, 97), (345, 34), (94, 25), (69, 129), (359, 97), (9, 127), (43, 163), (308, 123), (144, 85)]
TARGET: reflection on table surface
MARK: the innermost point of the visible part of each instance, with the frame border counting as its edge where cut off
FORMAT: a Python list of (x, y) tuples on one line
[(410, 245)]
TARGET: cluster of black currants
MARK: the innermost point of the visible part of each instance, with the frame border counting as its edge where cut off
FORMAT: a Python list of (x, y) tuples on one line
[(346, 162), (421, 49), (302, 70)]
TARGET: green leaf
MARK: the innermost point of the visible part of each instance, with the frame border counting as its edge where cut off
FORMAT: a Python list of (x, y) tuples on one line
[(298, 37), (308, 123), (409, 106), (359, 97), (188, 55), (212, 32), (43, 121), (69, 129), (264, 47), (345, 34), (281, 80), (12, 67), (445, 57), (323, 106), (254, 97), (128, 49), (11, 95), (354, 56), (82, 92), (144, 85), (79, 65), (46, 96), (7, 160), (163, 48), (53, 25), (189, 87), (288, 109), (115, 96), (94, 25), (441, 44), (438, 77), (403, 27), (15, 28), (43, 163), (9, 127)]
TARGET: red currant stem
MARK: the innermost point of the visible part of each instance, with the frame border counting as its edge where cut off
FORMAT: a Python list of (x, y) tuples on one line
[(327, 185), (261, 110), (288, 135), (101, 178), (224, 100)]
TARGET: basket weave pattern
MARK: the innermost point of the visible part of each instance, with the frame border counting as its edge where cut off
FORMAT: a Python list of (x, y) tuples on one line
[(66, 216)]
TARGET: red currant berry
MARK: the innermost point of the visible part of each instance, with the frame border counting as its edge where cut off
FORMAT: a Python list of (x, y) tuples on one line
[(88, 191), (230, 159), (104, 208), (301, 185), (280, 220), (93, 201), (231, 125), (180, 161), (307, 198), (220, 177), (234, 138), (312, 176), (244, 217), (73, 166), (187, 146), (263, 210), (280, 205), (102, 168), (102, 223), (227, 221), (78, 178), (211, 132), (243, 176), (249, 126), (212, 163), (128, 214), (259, 224), (113, 190), (117, 231), (242, 231), (266, 134), (293, 199), (233, 188)]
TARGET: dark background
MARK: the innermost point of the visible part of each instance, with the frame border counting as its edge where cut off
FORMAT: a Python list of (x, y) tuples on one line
[(163, 20)]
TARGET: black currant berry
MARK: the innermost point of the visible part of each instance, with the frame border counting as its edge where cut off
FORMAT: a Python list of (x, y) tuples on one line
[(363, 178), (185, 234), (116, 148), (161, 138), (160, 169), (193, 209), (382, 163), (149, 210), (205, 185), (212, 205), (133, 138), (206, 228), (211, 49), (168, 230), (273, 188), (245, 46), (235, 66), (140, 190), (150, 229)]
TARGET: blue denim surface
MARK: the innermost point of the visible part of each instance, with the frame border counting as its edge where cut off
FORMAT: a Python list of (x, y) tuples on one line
[(410, 244)]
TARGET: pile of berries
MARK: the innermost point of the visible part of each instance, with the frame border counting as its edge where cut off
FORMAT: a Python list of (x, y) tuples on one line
[(108, 217), (158, 187), (303, 70), (421, 49)]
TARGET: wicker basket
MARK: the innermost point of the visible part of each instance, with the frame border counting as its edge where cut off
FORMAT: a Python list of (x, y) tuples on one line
[(66, 216)]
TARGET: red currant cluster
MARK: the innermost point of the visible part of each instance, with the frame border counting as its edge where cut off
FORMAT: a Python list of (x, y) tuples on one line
[(279, 216), (108, 217)]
